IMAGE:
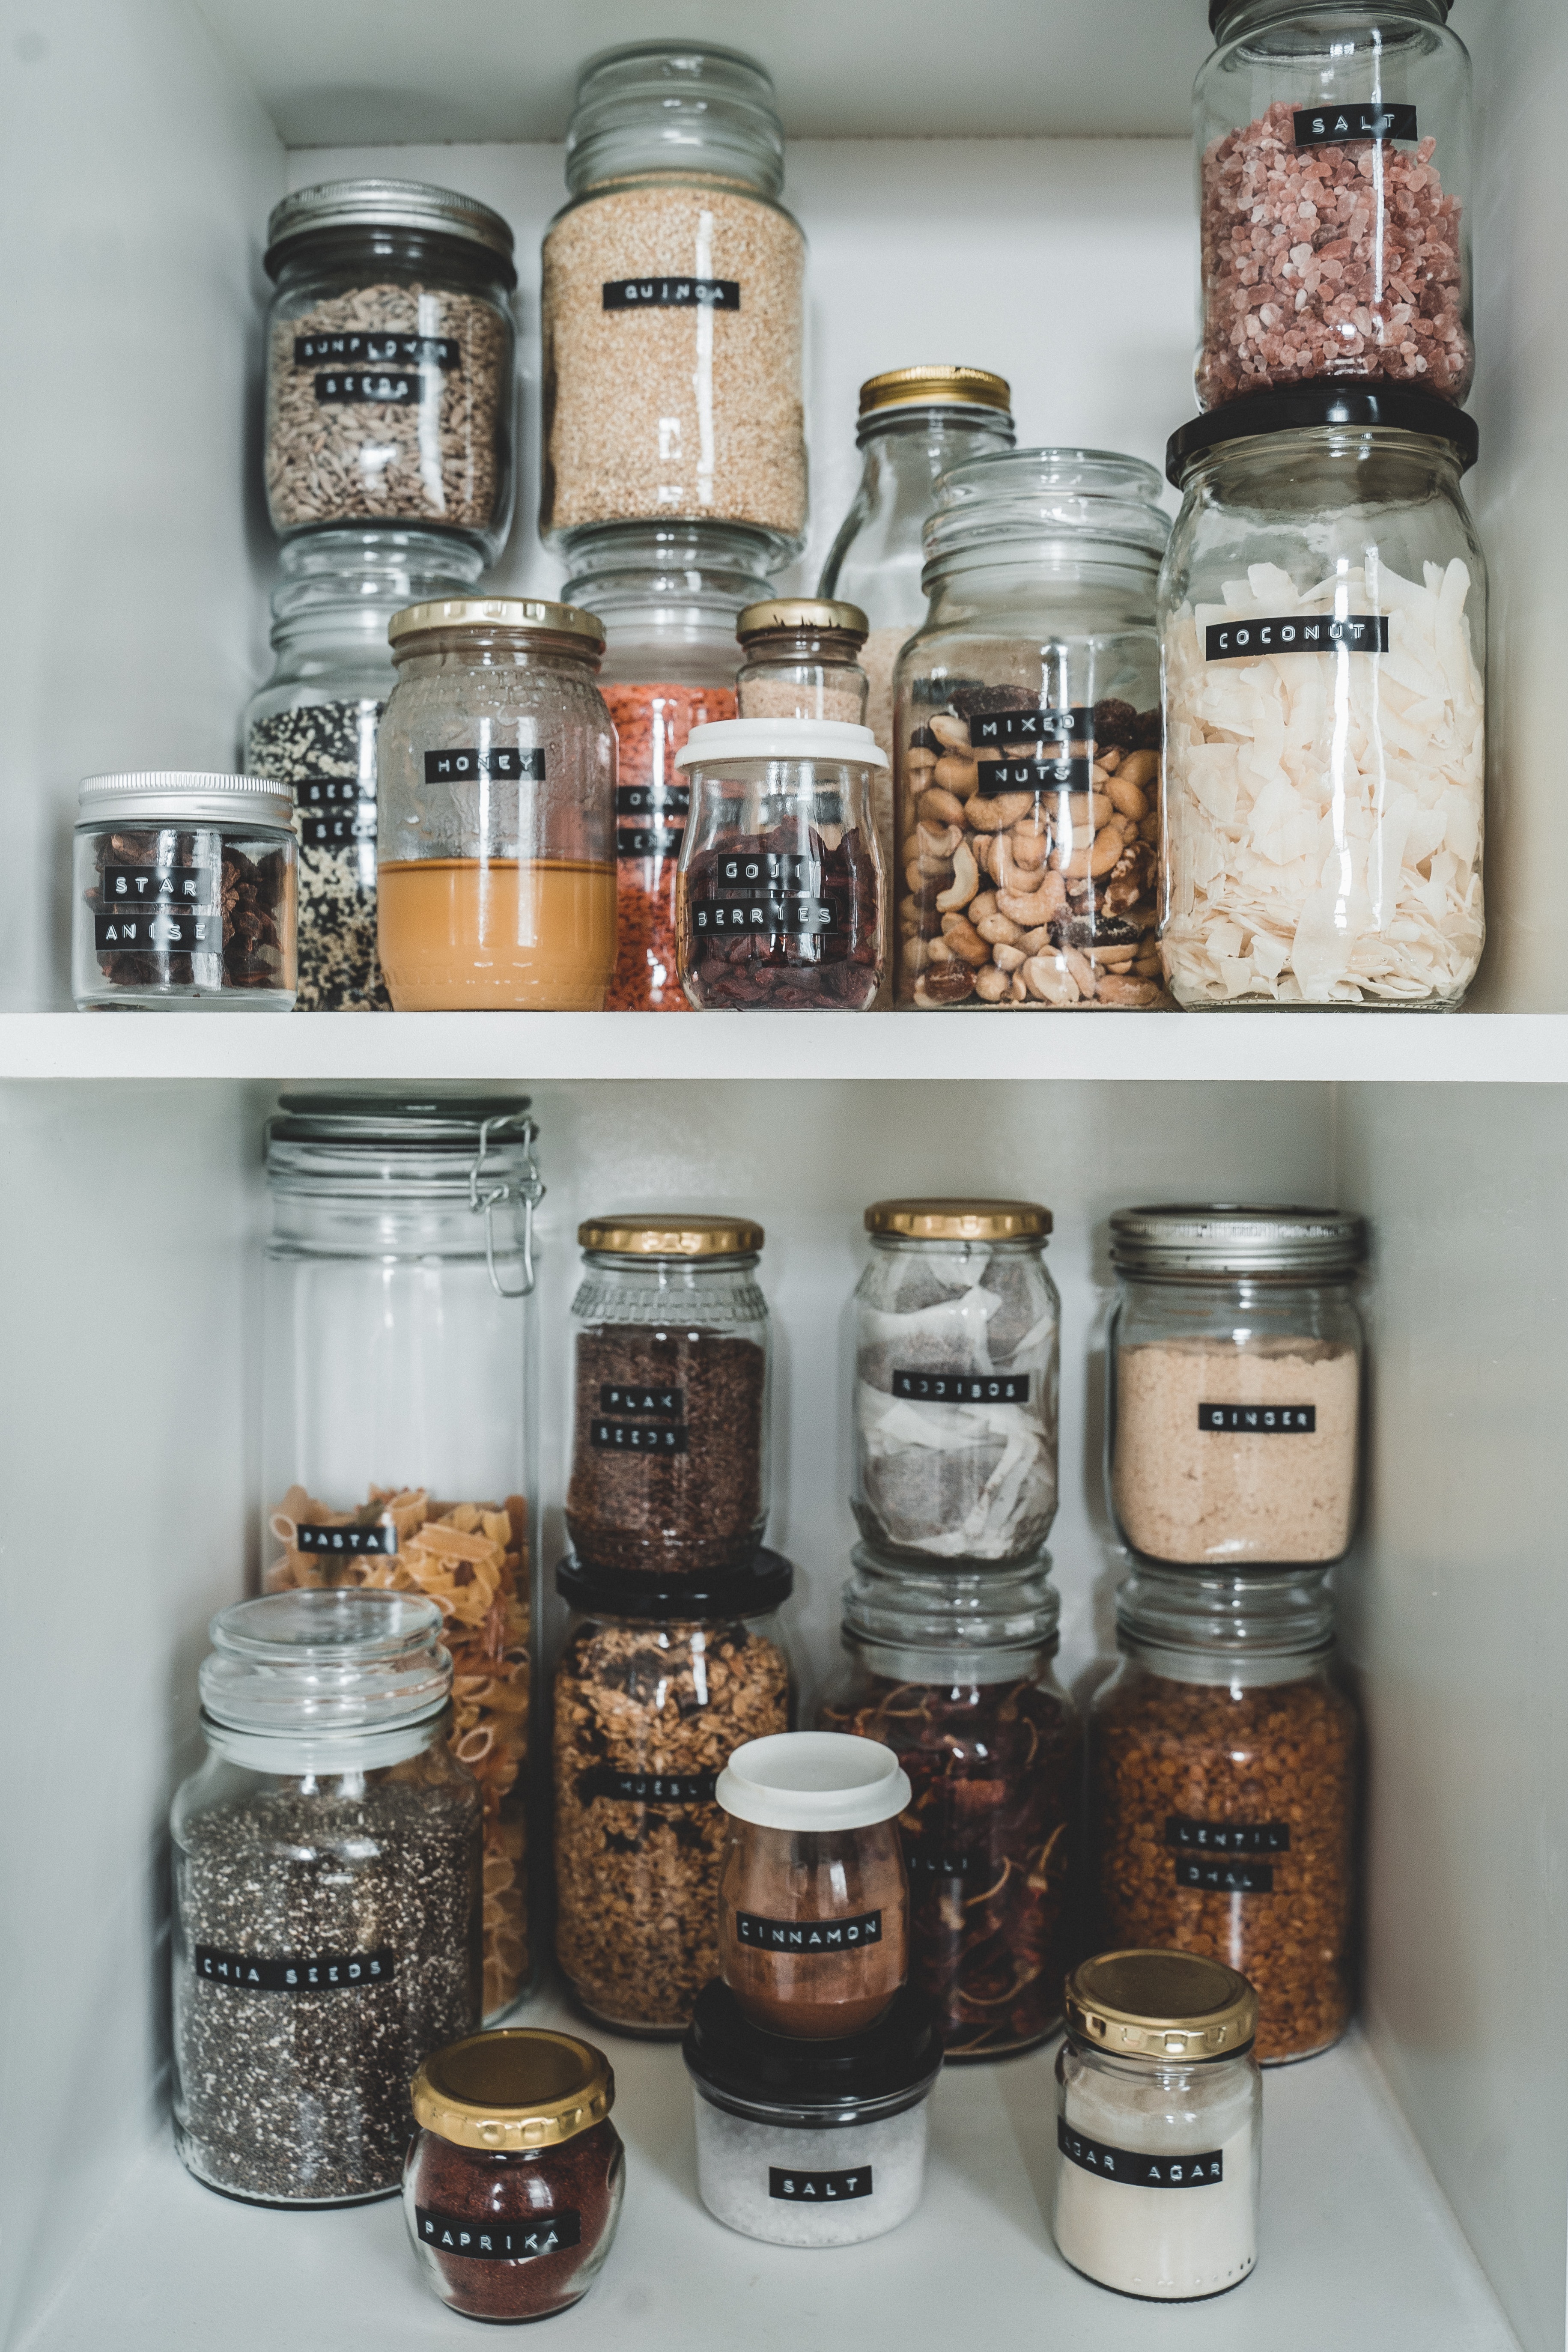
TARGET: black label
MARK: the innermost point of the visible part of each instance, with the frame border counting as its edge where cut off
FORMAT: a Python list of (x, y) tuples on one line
[(498, 2241), (1224, 1877), (1227, 1837), (159, 930), (817, 2187), (672, 294), (298, 1972), (644, 1788), (758, 912), (330, 792), (502, 762), (963, 1388), (394, 387), (1293, 633), (1076, 724), (1264, 1420), (937, 1864), (366, 351), (772, 874), (650, 840), (638, 1436), (147, 886), (338, 832), (1137, 2170), (999, 776), (1332, 126), (809, 1935), (654, 1404), (653, 800), (354, 1543)]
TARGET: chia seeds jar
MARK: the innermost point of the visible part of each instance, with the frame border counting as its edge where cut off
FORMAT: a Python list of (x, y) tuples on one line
[(957, 1368), (496, 809), (780, 895), (658, 1681), (1323, 612), (396, 1413), (1223, 1772), (390, 361), (1334, 186), (801, 660), (327, 1891), (672, 302), (1027, 727), (670, 1441), (186, 894), (1234, 1385)]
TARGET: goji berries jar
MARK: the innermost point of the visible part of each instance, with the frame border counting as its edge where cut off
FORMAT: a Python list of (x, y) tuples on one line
[(1334, 188)]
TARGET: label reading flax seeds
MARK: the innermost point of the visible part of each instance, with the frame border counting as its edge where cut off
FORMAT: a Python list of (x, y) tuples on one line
[(809, 1935), (963, 1388), (295, 1972), (672, 294), (648, 1404), (498, 2241), (1260, 1420)]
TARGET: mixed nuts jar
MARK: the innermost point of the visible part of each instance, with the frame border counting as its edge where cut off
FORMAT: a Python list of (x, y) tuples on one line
[(800, 660)]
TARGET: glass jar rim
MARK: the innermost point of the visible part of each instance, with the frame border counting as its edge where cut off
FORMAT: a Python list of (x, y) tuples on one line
[(1217, 1620), (616, 566), (332, 205), (892, 1603), (687, 101), (1096, 497), (1221, 12), (325, 1662), (1327, 407)]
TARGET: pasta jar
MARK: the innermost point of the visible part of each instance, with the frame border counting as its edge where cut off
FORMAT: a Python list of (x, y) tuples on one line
[(1234, 1385), (779, 897), (957, 1368), (667, 595), (496, 809), (955, 1674), (801, 660), (672, 302), (327, 1887), (814, 1901), (391, 360), (1223, 1769), (186, 894), (1027, 731), (1159, 2125), (1323, 611), (669, 1435), (658, 1683), (396, 1412), (1334, 191)]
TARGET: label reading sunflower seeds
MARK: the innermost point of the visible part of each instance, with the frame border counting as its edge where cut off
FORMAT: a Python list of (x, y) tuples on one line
[(382, 351)]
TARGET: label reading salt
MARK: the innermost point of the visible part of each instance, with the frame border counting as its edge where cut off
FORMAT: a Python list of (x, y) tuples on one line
[(644, 1788), (295, 1972), (1136, 2169), (1219, 1857), (963, 1388), (497, 763), (817, 2187), (1333, 126), (498, 2241), (1297, 633), (367, 350), (158, 930), (637, 1436), (147, 886), (656, 1404), (1261, 1419), (809, 1935), (992, 727), (672, 294), (379, 1542)]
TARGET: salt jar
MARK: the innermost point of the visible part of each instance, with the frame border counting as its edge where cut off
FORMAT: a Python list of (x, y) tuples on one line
[(1159, 2116), (813, 1899)]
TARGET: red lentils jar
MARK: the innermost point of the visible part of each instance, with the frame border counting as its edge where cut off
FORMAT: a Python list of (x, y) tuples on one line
[(1334, 184)]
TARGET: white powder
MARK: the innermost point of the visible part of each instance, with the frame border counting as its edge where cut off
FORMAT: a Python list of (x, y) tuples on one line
[(798, 2188), (1174, 2244)]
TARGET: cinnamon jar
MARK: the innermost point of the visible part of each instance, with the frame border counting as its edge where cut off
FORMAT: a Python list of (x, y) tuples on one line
[(813, 1900)]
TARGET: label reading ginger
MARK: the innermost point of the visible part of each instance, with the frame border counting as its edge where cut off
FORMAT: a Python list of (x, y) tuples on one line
[(1260, 1420)]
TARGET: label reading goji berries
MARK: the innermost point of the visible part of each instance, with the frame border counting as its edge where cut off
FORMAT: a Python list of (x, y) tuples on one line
[(295, 1972), (498, 763), (379, 1542), (498, 2241), (1297, 633), (809, 1935), (654, 1404), (989, 726), (672, 294), (378, 350), (638, 1437), (147, 886), (817, 2187), (963, 1388), (1137, 2169), (1332, 126), (1261, 1420), (644, 1788), (771, 918)]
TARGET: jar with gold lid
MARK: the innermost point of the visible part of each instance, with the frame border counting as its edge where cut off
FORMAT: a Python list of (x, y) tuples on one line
[(800, 659)]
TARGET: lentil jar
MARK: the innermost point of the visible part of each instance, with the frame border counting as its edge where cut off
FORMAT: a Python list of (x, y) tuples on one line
[(1224, 1766)]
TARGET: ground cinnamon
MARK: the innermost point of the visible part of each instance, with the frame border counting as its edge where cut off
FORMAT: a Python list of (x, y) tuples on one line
[(814, 1932)]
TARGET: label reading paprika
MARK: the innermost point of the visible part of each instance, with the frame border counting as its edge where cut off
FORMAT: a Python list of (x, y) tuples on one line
[(809, 1935), (498, 2241), (1138, 2170)]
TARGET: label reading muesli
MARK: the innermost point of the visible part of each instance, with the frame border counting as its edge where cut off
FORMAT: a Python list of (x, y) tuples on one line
[(963, 1388), (672, 294), (498, 2241), (1335, 126), (493, 762), (1295, 632), (644, 1788), (1135, 2168)]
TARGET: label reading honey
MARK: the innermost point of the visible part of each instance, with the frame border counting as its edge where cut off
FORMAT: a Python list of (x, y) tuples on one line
[(495, 762), (498, 2241)]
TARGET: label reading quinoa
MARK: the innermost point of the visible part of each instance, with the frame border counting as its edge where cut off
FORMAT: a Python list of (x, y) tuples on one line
[(1139, 2171), (146, 886), (298, 1972), (1264, 1420), (992, 727), (498, 2241), (378, 1542), (644, 1788), (653, 1404), (809, 1935), (500, 763), (963, 1388), (818, 2188), (638, 1436), (367, 350), (1332, 126), (672, 294), (1294, 632), (160, 930)]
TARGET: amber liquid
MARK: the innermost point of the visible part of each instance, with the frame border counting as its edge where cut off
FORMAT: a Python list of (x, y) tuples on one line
[(471, 935)]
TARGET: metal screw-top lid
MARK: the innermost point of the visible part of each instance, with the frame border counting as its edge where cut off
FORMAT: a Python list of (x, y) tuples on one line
[(928, 387), (1162, 2005), (326, 1662), (1315, 405), (1226, 1237), (180, 796), (959, 1220), (670, 1235), (337, 205), (524, 616), (373, 1123), (804, 613), (988, 1623), (1210, 1627), (522, 2088)]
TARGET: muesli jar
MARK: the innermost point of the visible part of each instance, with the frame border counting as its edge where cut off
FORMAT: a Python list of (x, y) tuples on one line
[(496, 809), (1224, 1768), (957, 1368), (391, 360), (1027, 724), (672, 302), (1234, 1385), (1334, 191), (658, 1683), (1323, 612), (800, 659)]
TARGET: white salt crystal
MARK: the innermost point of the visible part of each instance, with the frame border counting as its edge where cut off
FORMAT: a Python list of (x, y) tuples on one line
[(810, 2188)]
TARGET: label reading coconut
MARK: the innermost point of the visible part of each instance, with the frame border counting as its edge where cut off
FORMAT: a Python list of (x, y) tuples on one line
[(637, 1436), (302, 1972), (497, 763), (672, 294), (378, 1542), (1138, 2170), (1333, 126), (367, 350), (963, 1388), (1003, 727), (1261, 1419), (394, 387), (1297, 633), (818, 2188), (809, 1935), (498, 2241), (654, 1404), (147, 886), (644, 1788), (158, 930)]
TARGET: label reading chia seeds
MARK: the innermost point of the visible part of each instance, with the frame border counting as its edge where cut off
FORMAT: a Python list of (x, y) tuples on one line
[(297, 1972), (498, 2241)]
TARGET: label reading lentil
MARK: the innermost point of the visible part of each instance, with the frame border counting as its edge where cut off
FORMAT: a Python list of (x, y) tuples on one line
[(1297, 633), (672, 294), (1189, 1836), (1264, 1420), (378, 350), (498, 2241), (379, 1542), (817, 2187), (1137, 2170), (645, 1787), (1332, 126), (500, 763), (638, 1436), (963, 1388), (656, 1404), (160, 930), (809, 1935), (988, 726), (146, 886), (297, 1972), (394, 388)]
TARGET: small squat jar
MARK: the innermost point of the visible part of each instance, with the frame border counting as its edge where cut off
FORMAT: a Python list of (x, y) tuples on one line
[(813, 1902), (185, 894), (801, 660), (1159, 2125), (513, 2181), (779, 899)]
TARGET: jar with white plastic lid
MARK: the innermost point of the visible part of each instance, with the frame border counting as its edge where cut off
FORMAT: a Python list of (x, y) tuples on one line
[(800, 660), (1323, 614)]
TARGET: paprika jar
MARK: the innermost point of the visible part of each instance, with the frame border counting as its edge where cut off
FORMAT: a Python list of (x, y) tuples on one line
[(1224, 1767)]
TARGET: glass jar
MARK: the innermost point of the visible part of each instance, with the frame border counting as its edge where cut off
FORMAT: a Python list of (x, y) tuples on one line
[(954, 1673), (1333, 141), (514, 2178), (1233, 1330), (186, 894), (667, 595), (813, 1899), (780, 895), (957, 1370), (327, 1889), (1324, 611), (391, 360), (658, 1683), (672, 302), (811, 2143), (1157, 2091), (1027, 729), (496, 809), (801, 660), (396, 1413), (1224, 1771), (312, 726)]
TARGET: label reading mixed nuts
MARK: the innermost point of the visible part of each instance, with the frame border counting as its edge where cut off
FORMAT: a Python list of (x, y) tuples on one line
[(645, 1787), (672, 294), (809, 1935), (369, 350), (160, 931), (989, 726), (320, 1972), (498, 763), (638, 1436), (963, 1388), (498, 2241), (1216, 1856), (1297, 633), (818, 2188), (378, 1542), (1332, 126), (654, 1404), (146, 886), (1137, 2170), (1265, 1420)]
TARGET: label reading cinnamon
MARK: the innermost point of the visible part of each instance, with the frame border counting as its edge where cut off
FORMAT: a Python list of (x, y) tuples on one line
[(1297, 633), (655, 1404), (638, 1436), (149, 885), (818, 2188), (496, 762), (379, 1542), (644, 1788), (809, 1935), (498, 2241), (963, 1388), (1261, 1419), (1218, 1857), (1334, 126), (1137, 2169), (672, 294), (297, 1972), (158, 930)]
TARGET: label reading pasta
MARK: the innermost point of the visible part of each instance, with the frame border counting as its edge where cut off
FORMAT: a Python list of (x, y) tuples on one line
[(654, 1404), (672, 294), (996, 727), (809, 1935), (382, 351), (645, 1787), (1260, 1420), (147, 886), (295, 1972), (963, 1388), (159, 930), (378, 1542), (1136, 2169), (1333, 126), (496, 762), (638, 1436), (1297, 633), (498, 2241), (817, 2187)]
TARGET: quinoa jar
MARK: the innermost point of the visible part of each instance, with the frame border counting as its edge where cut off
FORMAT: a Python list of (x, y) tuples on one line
[(672, 302), (1334, 188), (496, 809)]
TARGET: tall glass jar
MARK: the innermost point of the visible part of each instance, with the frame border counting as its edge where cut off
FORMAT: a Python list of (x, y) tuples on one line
[(672, 302), (1224, 1785), (496, 809), (1234, 1385), (957, 1368), (1029, 733), (1334, 182), (397, 1411), (954, 1673), (391, 360), (801, 660), (1323, 611)]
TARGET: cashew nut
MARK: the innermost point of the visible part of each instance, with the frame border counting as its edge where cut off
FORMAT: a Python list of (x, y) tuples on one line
[(1139, 768), (1114, 990), (984, 903), (956, 776), (952, 731), (1081, 970), (1007, 959), (938, 951), (1020, 907), (920, 756), (992, 985), (939, 807), (914, 955), (1043, 979), (966, 942), (1029, 849), (1128, 798), (997, 815), (938, 841), (965, 879), (997, 930)]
